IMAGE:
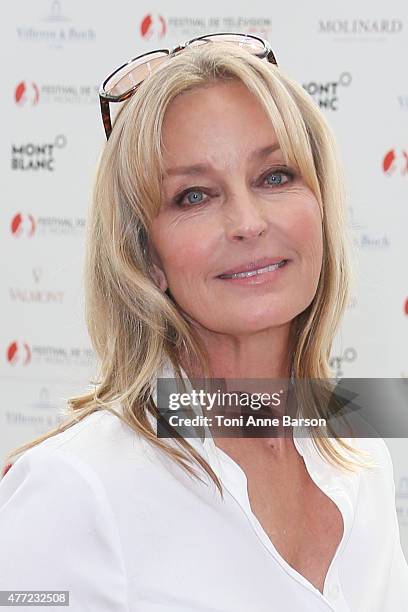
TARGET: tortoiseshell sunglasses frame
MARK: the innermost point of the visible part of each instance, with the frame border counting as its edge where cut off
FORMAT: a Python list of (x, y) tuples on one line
[(105, 98)]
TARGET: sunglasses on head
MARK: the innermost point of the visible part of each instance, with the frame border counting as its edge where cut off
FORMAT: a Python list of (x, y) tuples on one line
[(123, 82)]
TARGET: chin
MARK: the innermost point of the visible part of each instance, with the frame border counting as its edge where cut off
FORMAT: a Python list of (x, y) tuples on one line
[(260, 319), (239, 325)]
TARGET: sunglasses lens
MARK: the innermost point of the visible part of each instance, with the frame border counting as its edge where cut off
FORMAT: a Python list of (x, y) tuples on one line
[(253, 45), (134, 73)]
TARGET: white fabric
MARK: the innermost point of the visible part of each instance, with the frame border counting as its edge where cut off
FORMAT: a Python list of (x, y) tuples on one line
[(98, 511)]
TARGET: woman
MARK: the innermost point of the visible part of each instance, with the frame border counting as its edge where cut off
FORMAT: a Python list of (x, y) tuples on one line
[(217, 247)]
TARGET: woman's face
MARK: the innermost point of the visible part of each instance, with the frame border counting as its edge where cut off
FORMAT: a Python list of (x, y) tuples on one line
[(228, 200)]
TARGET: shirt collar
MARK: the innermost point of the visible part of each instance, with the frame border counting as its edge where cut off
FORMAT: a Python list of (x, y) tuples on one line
[(324, 473), (206, 444)]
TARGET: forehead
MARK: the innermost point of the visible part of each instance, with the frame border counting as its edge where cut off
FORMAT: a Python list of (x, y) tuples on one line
[(223, 120)]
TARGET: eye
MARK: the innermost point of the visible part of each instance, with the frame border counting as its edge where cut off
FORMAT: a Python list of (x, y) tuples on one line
[(274, 177), (189, 197), (194, 196)]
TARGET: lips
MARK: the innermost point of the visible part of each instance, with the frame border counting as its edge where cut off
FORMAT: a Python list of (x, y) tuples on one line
[(253, 265)]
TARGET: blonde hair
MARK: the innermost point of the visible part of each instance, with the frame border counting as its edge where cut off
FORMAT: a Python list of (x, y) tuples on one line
[(134, 327)]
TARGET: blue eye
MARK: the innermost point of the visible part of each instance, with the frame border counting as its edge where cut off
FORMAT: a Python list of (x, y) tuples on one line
[(194, 199), (194, 196), (276, 174)]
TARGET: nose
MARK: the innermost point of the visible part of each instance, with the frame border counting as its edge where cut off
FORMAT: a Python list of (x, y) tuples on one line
[(244, 217)]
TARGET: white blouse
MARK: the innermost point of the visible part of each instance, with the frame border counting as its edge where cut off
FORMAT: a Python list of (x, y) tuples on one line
[(97, 511)]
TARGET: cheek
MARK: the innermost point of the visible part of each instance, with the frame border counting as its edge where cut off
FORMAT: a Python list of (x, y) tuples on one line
[(305, 230), (184, 248), (189, 256)]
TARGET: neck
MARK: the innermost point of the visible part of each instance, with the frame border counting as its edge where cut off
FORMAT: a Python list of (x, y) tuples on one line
[(264, 354)]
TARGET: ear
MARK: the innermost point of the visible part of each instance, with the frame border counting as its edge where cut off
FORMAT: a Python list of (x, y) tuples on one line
[(158, 272), (160, 278)]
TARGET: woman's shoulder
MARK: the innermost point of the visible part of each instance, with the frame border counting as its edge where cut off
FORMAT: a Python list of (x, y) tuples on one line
[(52, 500), (377, 449), (97, 435), (378, 481), (96, 447)]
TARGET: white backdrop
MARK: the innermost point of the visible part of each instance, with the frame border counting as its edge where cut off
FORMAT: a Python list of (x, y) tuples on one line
[(349, 56)]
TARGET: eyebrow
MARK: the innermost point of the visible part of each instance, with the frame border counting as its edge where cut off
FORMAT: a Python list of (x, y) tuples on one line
[(202, 168)]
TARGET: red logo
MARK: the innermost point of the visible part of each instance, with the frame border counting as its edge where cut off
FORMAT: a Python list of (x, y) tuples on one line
[(6, 469), (392, 161), (26, 93), (22, 224), (406, 307), (18, 353), (153, 25)]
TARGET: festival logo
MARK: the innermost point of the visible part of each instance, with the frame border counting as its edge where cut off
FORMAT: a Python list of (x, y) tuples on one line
[(395, 162), (153, 25), (6, 469), (25, 225), (183, 27), (22, 225), (27, 93), (18, 353), (22, 354)]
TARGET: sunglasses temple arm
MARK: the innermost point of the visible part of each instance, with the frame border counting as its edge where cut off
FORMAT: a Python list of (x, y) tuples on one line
[(106, 118), (271, 58)]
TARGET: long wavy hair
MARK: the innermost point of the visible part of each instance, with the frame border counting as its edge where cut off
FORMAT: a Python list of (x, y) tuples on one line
[(134, 327)]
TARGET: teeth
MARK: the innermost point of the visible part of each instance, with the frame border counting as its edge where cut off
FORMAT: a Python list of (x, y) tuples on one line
[(255, 272)]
